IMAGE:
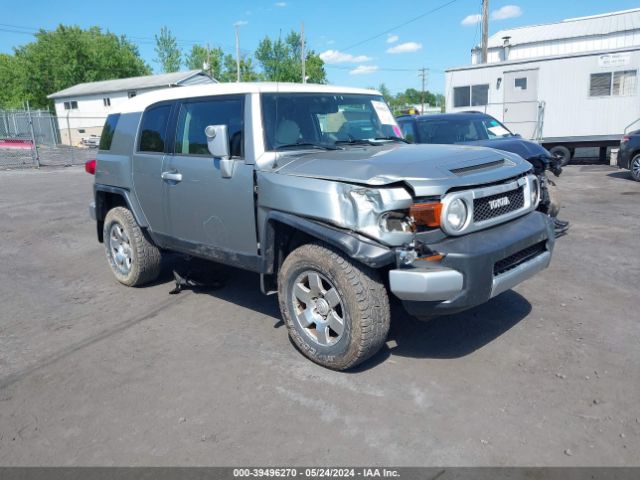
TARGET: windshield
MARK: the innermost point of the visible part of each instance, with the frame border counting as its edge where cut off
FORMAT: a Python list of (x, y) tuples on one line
[(308, 120), (461, 130)]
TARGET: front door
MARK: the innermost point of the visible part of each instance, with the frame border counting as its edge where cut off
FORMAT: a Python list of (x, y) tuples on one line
[(521, 102), (208, 214)]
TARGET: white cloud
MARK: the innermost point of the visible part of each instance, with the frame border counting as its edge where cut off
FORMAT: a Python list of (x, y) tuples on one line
[(240, 23), (508, 11), (364, 70), (392, 38), (280, 4), (335, 56), (405, 48), (471, 19)]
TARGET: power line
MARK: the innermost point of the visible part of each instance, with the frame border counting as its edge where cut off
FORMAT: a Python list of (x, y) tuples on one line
[(5, 27), (385, 69), (433, 10)]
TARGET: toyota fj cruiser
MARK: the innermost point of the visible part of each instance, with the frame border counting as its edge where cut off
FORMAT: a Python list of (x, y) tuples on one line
[(312, 187)]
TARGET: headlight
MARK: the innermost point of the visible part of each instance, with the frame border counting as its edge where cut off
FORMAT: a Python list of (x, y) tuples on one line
[(456, 214), (395, 222)]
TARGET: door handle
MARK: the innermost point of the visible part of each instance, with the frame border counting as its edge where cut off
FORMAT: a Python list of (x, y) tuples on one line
[(172, 176)]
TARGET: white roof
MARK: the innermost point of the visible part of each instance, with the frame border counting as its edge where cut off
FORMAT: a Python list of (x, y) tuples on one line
[(131, 83), (140, 102), (595, 25)]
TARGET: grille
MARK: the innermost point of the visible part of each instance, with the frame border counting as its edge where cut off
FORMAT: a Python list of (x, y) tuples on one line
[(512, 261), (482, 206)]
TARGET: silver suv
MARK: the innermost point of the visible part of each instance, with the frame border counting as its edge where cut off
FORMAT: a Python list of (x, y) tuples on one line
[(313, 188)]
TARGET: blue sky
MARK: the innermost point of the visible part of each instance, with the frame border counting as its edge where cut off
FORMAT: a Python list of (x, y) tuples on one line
[(336, 28)]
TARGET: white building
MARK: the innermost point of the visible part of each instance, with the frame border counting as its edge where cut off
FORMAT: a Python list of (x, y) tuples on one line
[(571, 83), (83, 108)]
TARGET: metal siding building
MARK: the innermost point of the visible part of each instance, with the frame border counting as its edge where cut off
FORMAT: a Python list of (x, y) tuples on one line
[(83, 108), (574, 79)]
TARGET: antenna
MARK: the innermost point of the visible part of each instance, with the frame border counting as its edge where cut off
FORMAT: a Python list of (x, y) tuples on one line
[(277, 75), (303, 59)]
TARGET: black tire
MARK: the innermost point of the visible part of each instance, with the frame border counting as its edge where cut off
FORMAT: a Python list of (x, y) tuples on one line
[(138, 261), (634, 168), (563, 152), (363, 306)]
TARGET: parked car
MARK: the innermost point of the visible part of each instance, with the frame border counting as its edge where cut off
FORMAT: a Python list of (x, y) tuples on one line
[(92, 141), (480, 129), (629, 154), (468, 128), (311, 187)]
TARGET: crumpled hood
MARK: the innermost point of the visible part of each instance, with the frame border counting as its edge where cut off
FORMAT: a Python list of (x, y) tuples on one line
[(525, 148), (427, 169)]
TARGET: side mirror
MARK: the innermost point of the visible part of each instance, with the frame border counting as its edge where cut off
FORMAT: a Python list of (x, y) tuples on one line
[(218, 145), (517, 135)]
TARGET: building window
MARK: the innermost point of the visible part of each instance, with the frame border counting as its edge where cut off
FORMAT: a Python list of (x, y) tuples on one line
[(131, 94), (622, 83), (521, 83), (479, 95), (461, 97), (106, 102), (474, 95), (70, 105)]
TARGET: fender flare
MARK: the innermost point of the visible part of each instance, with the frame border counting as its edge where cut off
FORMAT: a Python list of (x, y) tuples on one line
[(354, 245), (132, 204)]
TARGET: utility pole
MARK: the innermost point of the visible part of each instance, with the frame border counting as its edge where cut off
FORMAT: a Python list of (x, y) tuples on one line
[(423, 73), (238, 51), (208, 64), (485, 30), (303, 59)]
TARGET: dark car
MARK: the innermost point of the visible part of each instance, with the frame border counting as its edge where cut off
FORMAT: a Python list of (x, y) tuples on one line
[(469, 128), (480, 129), (629, 154)]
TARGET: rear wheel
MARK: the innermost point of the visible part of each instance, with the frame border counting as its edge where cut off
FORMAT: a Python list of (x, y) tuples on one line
[(563, 153), (634, 168), (336, 311), (133, 259)]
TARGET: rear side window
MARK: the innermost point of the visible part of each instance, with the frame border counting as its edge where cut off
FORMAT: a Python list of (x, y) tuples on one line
[(197, 115), (153, 132), (107, 132)]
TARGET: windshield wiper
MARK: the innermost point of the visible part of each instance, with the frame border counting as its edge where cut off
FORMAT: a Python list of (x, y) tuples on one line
[(321, 146), (358, 141), (393, 138)]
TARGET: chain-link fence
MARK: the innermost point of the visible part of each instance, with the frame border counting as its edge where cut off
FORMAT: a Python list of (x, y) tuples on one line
[(34, 138)]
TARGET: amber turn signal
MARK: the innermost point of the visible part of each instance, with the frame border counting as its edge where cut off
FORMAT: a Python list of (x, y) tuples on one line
[(426, 214)]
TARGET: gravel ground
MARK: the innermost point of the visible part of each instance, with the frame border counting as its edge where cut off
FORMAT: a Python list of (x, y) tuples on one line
[(94, 373)]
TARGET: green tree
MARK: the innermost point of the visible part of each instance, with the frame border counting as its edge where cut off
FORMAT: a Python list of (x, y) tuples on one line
[(64, 57), (200, 55), (229, 71), (386, 93), (281, 60), (167, 51), (12, 93)]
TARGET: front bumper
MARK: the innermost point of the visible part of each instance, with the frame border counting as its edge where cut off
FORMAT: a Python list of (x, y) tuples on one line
[(477, 267)]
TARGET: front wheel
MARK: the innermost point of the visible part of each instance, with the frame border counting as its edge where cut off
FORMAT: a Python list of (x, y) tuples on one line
[(133, 259), (634, 168), (336, 311)]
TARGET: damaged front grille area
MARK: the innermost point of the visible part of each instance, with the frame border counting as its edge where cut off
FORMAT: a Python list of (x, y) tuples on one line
[(518, 258)]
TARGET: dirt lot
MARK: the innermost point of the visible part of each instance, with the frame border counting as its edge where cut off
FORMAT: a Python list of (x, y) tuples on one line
[(93, 373)]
